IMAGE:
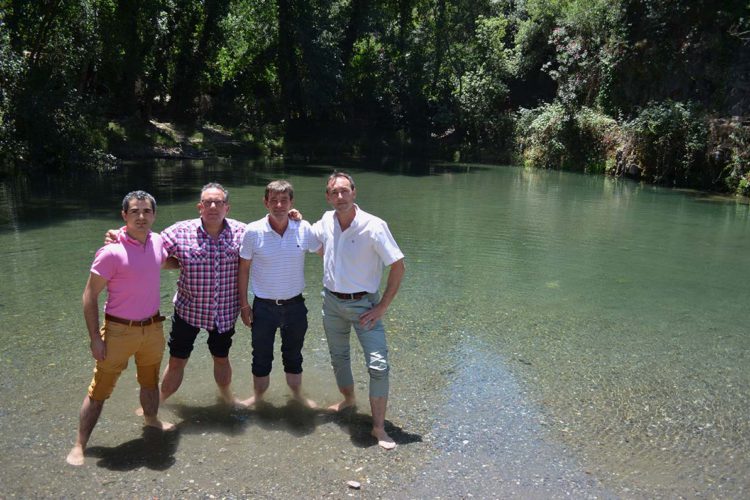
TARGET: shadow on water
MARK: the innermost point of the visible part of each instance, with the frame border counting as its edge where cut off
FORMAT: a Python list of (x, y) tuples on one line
[(293, 418), (154, 450), (359, 425), (216, 418)]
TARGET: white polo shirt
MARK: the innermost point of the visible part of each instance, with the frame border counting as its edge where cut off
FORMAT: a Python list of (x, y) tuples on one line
[(354, 259), (278, 267)]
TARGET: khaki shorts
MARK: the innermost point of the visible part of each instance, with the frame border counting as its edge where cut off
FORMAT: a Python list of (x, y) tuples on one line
[(146, 343)]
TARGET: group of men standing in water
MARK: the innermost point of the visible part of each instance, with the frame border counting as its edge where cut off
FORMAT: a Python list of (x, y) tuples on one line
[(220, 261)]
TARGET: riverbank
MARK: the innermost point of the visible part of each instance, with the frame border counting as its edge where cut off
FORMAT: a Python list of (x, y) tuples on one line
[(131, 140)]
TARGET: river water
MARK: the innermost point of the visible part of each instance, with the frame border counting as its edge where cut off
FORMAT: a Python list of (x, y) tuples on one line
[(556, 335)]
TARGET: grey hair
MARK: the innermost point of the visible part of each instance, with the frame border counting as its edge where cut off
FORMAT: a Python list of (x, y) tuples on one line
[(216, 185), (280, 186), (138, 195), (335, 175)]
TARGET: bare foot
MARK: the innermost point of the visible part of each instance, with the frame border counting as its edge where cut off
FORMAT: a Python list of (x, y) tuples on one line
[(249, 402), (384, 440), (75, 457), (342, 405), (158, 424), (309, 403)]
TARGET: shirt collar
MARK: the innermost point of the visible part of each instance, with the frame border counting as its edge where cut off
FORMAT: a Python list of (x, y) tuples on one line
[(125, 238), (222, 233)]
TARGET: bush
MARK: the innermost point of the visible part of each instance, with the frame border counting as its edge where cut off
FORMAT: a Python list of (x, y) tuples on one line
[(551, 137), (667, 143), (598, 138), (540, 134), (733, 146)]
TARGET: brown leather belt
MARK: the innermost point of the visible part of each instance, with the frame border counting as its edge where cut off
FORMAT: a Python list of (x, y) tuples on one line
[(282, 302), (156, 318), (348, 296)]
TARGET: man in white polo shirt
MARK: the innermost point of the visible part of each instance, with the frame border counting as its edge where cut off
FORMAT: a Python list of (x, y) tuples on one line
[(356, 248), (273, 255)]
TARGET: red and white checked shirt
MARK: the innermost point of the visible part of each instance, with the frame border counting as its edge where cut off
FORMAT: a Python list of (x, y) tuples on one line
[(207, 294)]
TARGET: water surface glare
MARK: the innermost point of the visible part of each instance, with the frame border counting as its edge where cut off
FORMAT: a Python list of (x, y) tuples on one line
[(556, 334)]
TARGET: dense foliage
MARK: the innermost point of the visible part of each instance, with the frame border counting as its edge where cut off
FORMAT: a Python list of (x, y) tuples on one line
[(651, 88)]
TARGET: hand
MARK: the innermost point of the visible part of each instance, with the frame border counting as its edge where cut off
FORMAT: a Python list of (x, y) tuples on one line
[(369, 318), (111, 236), (98, 349), (295, 214), (246, 313), (171, 263)]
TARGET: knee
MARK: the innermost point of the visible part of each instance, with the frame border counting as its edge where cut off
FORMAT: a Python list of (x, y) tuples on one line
[(292, 363), (148, 376), (221, 361), (101, 386), (177, 364), (377, 365), (261, 367)]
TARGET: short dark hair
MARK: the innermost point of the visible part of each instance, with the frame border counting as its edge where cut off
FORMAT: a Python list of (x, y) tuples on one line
[(138, 195), (336, 174), (280, 186), (216, 185)]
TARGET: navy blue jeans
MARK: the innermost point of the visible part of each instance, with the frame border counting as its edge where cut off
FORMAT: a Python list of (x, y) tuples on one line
[(291, 319)]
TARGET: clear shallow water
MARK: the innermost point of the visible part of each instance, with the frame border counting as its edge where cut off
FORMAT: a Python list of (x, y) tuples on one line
[(593, 321)]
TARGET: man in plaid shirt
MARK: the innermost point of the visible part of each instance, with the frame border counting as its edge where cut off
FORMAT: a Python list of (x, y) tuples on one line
[(207, 249)]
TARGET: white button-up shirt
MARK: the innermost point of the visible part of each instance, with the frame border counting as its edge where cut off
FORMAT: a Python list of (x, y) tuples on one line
[(354, 259)]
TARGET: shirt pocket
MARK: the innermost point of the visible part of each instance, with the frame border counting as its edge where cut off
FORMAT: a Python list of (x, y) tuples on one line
[(231, 253), (197, 255)]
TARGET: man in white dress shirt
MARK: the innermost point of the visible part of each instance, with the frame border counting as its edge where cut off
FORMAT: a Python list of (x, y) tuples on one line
[(356, 248)]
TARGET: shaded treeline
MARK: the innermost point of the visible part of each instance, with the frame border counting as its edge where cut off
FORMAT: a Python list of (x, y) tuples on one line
[(651, 88)]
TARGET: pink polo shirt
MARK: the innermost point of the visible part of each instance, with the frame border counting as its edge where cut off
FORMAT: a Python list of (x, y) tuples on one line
[(132, 271)]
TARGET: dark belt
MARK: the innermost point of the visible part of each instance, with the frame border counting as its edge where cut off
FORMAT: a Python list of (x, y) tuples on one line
[(282, 302), (156, 318), (348, 296)]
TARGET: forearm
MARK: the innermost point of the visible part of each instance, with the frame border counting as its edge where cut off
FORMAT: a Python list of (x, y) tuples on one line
[(395, 275), (91, 315), (243, 281)]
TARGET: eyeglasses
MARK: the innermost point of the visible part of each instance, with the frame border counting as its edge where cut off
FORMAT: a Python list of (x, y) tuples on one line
[(218, 203)]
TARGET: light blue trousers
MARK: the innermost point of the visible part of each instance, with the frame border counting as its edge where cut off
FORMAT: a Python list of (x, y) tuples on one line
[(338, 318)]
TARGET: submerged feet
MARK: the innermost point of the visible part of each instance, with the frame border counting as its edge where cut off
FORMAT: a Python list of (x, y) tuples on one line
[(225, 393), (75, 457), (307, 403), (249, 402), (384, 440), (343, 405), (159, 424)]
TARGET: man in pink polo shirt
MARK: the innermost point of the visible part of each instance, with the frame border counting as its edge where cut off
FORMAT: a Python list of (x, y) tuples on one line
[(129, 269)]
